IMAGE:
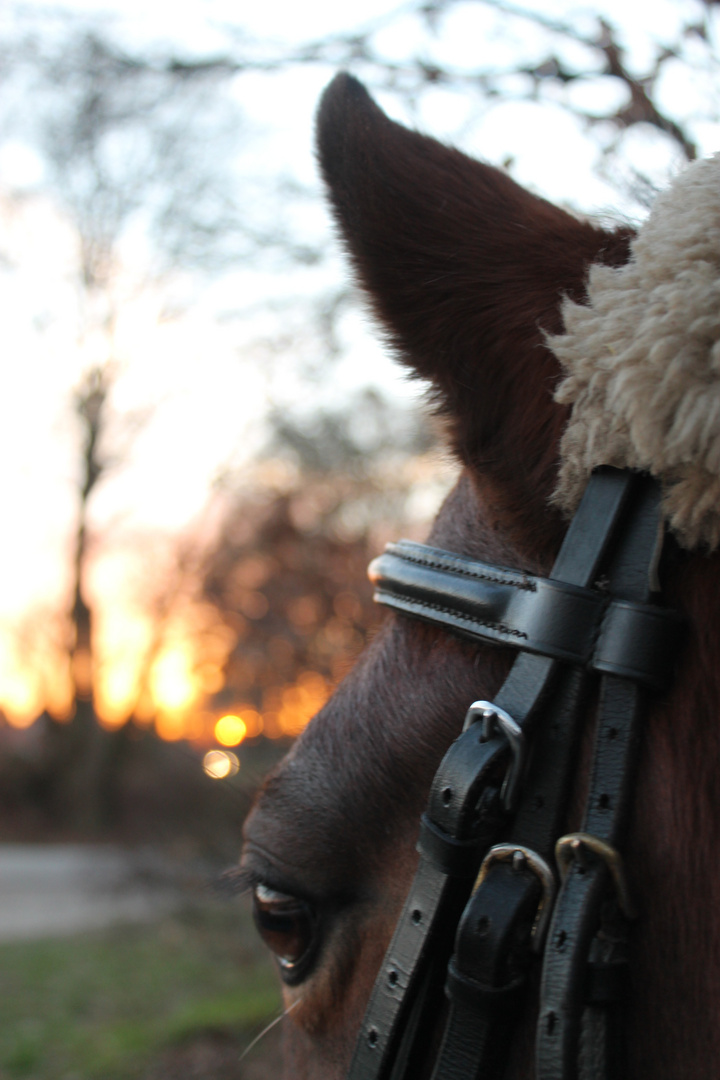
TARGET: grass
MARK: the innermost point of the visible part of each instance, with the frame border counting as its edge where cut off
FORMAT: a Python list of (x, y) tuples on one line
[(95, 1007)]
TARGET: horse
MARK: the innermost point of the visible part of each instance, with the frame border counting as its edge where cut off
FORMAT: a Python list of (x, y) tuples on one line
[(519, 316)]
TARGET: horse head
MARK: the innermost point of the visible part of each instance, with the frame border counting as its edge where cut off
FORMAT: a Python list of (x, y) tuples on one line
[(495, 298)]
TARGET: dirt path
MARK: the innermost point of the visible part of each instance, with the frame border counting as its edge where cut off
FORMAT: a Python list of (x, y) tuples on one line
[(49, 890)]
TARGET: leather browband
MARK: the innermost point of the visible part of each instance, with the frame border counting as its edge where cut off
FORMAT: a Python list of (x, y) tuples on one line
[(538, 615)]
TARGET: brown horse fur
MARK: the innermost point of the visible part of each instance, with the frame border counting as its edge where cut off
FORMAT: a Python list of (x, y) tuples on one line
[(467, 273)]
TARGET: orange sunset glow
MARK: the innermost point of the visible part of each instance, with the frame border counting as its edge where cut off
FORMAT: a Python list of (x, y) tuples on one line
[(176, 697)]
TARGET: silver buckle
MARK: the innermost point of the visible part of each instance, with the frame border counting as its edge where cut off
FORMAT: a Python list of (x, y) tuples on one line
[(492, 717), (525, 858), (572, 847)]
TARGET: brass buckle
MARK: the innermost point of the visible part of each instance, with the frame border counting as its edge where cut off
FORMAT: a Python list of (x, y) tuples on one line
[(573, 847), (523, 858), (493, 717)]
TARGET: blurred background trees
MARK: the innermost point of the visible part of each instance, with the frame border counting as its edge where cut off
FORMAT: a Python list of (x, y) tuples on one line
[(204, 446)]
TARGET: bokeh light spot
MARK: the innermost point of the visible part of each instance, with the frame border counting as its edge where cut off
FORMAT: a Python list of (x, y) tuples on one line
[(220, 763), (230, 730)]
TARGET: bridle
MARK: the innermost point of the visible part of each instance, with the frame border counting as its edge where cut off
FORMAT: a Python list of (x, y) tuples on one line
[(499, 891)]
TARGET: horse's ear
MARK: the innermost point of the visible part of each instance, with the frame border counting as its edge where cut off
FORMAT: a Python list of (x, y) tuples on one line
[(467, 271)]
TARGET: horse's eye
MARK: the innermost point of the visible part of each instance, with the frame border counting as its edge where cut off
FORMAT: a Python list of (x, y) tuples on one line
[(288, 926)]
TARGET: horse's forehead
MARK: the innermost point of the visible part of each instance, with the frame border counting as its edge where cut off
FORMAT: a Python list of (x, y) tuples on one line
[(316, 804), (321, 819)]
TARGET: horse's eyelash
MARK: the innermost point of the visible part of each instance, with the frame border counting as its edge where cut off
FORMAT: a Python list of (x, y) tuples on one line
[(241, 880), (237, 881)]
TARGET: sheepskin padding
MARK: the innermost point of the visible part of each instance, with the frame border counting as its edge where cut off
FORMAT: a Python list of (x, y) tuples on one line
[(642, 361)]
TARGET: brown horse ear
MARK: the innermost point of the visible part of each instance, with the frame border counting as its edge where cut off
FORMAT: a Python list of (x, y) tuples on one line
[(467, 271)]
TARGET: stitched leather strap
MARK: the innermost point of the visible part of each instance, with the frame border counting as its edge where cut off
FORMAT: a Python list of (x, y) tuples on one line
[(547, 616)]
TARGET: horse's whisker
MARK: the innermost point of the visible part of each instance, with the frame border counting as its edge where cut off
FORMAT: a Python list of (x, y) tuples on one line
[(270, 1026)]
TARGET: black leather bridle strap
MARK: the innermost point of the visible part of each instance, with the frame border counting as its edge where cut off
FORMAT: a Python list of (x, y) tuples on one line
[(463, 819), (486, 975), (594, 874), (450, 853)]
